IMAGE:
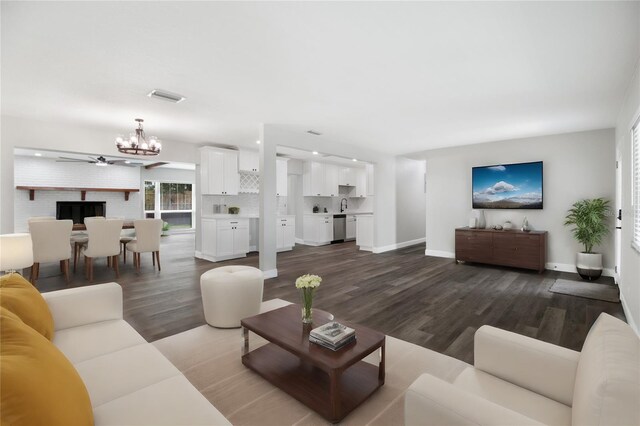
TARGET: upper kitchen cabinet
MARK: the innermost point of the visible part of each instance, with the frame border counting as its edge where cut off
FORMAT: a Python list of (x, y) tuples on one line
[(361, 184), (369, 179), (331, 179), (347, 176), (313, 179), (281, 177), (219, 171), (249, 161)]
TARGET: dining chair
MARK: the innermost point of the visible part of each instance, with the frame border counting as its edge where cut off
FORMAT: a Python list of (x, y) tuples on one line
[(147, 240), (50, 244), (104, 241), (79, 241)]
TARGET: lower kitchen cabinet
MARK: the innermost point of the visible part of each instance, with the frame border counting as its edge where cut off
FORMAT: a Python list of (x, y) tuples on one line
[(351, 227), (364, 232), (285, 233), (224, 239), (318, 229)]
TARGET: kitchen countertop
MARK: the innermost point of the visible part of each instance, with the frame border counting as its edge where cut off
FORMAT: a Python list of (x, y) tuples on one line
[(238, 216), (333, 213)]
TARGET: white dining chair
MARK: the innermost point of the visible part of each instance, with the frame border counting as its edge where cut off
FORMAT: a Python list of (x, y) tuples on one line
[(147, 240), (104, 241), (79, 241), (50, 244)]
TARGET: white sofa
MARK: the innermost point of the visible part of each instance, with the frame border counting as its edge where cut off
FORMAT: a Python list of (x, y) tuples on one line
[(517, 380), (129, 381)]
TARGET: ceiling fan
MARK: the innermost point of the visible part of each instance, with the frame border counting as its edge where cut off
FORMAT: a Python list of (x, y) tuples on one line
[(99, 161)]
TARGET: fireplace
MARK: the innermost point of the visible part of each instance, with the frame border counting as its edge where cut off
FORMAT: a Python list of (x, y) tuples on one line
[(78, 210)]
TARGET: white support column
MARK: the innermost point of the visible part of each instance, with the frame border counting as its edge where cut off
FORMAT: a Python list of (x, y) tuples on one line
[(268, 205)]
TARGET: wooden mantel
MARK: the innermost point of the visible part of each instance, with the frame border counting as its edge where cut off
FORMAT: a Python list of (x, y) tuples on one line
[(83, 191)]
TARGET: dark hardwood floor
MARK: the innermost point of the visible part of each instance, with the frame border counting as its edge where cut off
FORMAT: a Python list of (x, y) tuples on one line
[(429, 301)]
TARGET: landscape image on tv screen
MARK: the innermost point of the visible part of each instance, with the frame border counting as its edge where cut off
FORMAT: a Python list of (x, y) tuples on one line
[(508, 186)]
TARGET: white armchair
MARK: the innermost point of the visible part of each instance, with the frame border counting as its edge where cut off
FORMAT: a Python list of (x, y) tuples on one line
[(50, 244), (104, 241), (148, 232), (518, 380)]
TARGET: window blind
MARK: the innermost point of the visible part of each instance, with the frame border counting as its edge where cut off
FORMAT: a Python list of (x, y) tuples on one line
[(635, 160)]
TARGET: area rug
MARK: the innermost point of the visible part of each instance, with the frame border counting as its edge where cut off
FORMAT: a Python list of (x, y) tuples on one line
[(210, 359), (608, 293)]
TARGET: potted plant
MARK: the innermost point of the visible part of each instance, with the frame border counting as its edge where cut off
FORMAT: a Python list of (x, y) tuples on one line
[(165, 229), (588, 218)]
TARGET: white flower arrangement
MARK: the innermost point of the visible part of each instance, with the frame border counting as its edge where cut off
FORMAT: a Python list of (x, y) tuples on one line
[(308, 281)]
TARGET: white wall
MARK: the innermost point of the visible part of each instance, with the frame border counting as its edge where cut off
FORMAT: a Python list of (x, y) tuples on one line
[(25, 133), (629, 277), (576, 166), (410, 200), (34, 171)]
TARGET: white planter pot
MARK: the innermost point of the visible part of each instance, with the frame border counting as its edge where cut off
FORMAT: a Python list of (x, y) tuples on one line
[(589, 265)]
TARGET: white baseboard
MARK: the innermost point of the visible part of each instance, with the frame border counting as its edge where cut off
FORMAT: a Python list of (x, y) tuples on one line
[(299, 241), (627, 313), (440, 253), (398, 245), (271, 273), (570, 267)]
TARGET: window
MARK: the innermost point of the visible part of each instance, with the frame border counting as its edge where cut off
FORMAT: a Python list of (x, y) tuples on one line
[(635, 198), (170, 201)]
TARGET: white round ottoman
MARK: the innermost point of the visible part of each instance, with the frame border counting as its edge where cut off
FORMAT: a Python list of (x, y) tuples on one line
[(231, 293)]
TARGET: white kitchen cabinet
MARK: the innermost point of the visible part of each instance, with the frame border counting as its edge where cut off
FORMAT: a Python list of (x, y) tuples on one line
[(347, 176), (224, 239), (285, 233), (281, 177), (361, 184), (249, 161), (331, 178), (318, 229), (364, 232), (219, 171), (370, 180), (313, 182), (351, 227)]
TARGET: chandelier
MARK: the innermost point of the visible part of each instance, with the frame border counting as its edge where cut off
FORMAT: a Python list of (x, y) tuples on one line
[(137, 143)]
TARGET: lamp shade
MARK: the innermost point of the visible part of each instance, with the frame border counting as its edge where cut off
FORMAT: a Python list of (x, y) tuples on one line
[(16, 251)]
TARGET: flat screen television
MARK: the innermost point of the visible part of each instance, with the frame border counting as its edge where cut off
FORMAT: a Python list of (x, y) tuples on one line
[(78, 210), (507, 186)]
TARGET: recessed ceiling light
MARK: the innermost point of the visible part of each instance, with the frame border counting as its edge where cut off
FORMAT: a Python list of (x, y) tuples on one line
[(315, 152), (166, 96), (258, 142), (37, 154), (354, 160)]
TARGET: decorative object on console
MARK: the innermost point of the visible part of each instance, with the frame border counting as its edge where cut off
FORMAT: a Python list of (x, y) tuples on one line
[(316, 209), (589, 220), (137, 143), (16, 252), (234, 210), (307, 285), (525, 225), (507, 225), (508, 186), (497, 227), (481, 221)]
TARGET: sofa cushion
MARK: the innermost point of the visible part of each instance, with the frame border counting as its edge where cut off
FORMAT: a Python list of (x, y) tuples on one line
[(20, 297), (39, 385), (173, 401), (516, 398), (607, 389), (96, 339), (113, 375)]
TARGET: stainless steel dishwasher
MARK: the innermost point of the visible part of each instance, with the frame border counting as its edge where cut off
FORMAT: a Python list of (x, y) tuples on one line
[(339, 228)]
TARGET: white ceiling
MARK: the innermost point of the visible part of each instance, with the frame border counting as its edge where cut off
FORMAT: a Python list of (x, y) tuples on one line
[(398, 77)]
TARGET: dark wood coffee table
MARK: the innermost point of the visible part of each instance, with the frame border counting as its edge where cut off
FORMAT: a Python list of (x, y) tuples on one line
[(331, 383)]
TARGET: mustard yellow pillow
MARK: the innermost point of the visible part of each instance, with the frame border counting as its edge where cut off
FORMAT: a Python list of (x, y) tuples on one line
[(23, 299), (39, 385)]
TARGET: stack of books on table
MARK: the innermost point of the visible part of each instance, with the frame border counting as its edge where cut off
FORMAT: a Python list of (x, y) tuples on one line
[(332, 335)]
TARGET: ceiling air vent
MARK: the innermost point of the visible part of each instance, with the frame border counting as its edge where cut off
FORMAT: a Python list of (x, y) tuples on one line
[(314, 132), (166, 96)]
